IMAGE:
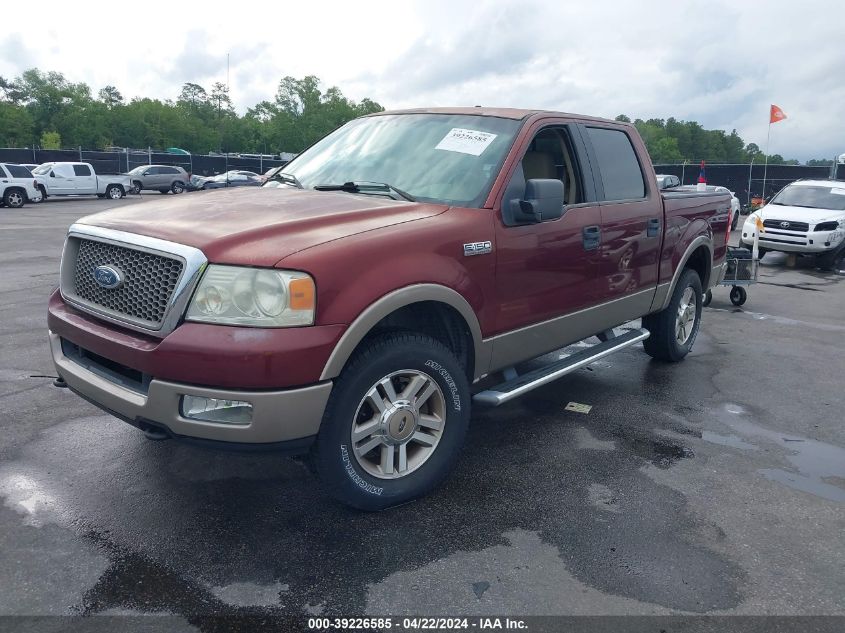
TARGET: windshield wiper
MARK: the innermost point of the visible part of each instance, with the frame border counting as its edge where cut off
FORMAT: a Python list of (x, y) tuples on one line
[(287, 178), (366, 187)]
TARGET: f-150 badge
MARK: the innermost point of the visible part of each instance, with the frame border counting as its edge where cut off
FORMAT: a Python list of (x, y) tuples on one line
[(478, 248)]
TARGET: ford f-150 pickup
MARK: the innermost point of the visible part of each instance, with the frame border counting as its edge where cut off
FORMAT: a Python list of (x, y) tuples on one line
[(399, 269)]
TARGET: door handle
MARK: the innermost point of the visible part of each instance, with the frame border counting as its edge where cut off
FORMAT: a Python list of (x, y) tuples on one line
[(591, 235), (653, 227)]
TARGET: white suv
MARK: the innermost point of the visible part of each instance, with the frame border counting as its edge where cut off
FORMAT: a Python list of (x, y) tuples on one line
[(805, 217), (17, 186)]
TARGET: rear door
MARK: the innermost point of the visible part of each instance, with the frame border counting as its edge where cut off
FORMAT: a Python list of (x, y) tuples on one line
[(632, 220), (84, 180)]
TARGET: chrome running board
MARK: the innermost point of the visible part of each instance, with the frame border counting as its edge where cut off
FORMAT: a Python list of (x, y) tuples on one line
[(520, 385)]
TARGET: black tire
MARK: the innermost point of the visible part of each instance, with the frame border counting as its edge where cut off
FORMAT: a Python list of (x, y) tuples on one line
[(136, 187), (114, 192), (831, 261), (43, 191), (177, 187), (708, 297), (14, 198), (735, 221), (333, 456), (163, 190), (738, 295), (663, 343)]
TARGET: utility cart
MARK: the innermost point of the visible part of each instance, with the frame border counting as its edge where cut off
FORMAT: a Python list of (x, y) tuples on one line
[(741, 272)]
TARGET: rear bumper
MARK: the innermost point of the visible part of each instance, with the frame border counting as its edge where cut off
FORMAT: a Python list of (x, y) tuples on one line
[(278, 416)]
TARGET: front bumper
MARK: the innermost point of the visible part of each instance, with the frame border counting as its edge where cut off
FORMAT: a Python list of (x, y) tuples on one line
[(811, 243), (278, 416)]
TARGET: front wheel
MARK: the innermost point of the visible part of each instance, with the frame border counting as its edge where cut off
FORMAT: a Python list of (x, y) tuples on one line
[(708, 297), (114, 192), (136, 187), (673, 330), (395, 422), (735, 221), (832, 260), (177, 187)]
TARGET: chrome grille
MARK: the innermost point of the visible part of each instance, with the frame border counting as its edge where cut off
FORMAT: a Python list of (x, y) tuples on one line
[(149, 281), (791, 226)]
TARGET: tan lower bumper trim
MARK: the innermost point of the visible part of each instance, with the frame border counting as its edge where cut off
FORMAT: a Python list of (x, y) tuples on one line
[(278, 416)]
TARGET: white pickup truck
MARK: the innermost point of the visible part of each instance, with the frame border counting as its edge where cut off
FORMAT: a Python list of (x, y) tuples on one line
[(79, 179)]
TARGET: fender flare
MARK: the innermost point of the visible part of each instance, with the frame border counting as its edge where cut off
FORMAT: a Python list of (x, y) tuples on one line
[(701, 240), (388, 304)]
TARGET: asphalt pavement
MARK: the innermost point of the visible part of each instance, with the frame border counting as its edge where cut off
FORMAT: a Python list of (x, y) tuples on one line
[(714, 486)]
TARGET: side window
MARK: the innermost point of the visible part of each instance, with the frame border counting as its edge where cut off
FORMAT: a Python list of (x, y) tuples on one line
[(168, 170), (153, 171), (19, 172), (81, 170), (551, 155), (617, 161)]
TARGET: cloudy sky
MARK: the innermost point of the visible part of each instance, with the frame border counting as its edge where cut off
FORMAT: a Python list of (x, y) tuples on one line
[(720, 63)]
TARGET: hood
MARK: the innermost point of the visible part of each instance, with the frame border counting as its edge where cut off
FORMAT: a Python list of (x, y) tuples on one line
[(799, 214), (258, 226)]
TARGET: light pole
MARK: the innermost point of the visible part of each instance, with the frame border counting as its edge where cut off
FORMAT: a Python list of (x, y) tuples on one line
[(750, 169)]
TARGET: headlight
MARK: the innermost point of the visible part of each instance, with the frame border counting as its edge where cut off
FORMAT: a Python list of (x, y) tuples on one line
[(261, 297)]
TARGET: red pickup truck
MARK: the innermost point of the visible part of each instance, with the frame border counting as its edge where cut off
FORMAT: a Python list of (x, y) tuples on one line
[(351, 306)]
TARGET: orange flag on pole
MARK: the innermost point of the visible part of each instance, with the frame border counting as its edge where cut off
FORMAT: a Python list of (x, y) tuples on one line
[(776, 114)]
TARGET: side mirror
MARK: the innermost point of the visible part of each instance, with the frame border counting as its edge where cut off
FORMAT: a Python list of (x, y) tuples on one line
[(543, 201), (146, 173)]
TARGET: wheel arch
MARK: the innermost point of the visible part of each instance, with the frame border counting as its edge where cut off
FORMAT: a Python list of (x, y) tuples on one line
[(698, 256), (430, 308)]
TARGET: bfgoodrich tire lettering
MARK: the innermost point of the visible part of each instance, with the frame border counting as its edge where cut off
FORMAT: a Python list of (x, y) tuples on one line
[(405, 396), (674, 330)]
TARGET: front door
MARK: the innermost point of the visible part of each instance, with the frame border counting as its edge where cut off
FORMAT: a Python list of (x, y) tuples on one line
[(85, 181), (61, 180), (548, 269)]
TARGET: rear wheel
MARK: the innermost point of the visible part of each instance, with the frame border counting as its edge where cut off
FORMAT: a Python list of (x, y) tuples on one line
[(14, 198), (395, 422), (708, 297), (114, 192), (674, 330)]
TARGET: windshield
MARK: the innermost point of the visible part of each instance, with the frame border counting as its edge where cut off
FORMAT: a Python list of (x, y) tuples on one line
[(138, 169), (433, 157), (813, 197), (43, 169)]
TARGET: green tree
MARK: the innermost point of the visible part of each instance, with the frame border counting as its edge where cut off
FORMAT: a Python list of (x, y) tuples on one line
[(51, 140)]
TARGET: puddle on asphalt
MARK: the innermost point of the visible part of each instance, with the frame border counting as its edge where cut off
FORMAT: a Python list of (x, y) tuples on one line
[(817, 463), (733, 441), (660, 451)]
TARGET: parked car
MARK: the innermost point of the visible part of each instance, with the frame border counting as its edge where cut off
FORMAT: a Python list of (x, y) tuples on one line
[(74, 179), (334, 312), (807, 217), (162, 178), (17, 186), (232, 179)]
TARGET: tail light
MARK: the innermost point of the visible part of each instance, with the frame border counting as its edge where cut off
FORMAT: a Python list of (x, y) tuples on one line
[(728, 229)]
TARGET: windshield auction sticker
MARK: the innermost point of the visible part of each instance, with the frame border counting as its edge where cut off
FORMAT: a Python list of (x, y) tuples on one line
[(466, 141)]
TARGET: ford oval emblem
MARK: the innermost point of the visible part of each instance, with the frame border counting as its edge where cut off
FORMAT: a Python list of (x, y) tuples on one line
[(108, 277)]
